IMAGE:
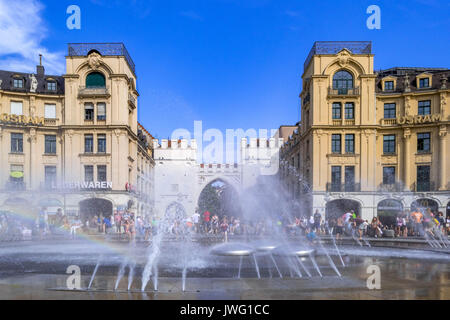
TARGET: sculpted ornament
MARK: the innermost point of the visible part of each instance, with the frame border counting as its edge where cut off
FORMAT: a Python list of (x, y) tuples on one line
[(94, 60), (344, 58), (34, 83)]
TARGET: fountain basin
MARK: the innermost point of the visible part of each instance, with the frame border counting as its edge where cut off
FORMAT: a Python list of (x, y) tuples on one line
[(232, 249), (293, 251)]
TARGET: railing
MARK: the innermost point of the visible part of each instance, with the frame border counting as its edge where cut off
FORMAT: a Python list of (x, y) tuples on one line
[(345, 187), (343, 91), (105, 49), (333, 47), (423, 186), (307, 99), (394, 187), (337, 122), (50, 122), (84, 91), (349, 122), (15, 185), (132, 100), (388, 122)]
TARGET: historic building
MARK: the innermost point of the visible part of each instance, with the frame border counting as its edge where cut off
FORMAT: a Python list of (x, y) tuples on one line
[(73, 141), (180, 177), (374, 142)]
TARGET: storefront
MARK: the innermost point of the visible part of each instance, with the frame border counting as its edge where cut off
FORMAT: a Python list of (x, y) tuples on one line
[(388, 210), (336, 208)]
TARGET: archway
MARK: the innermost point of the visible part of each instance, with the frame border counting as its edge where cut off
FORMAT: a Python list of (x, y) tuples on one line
[(95, 206), (424, 204), (388, 210), (219, 197), (337, 208)]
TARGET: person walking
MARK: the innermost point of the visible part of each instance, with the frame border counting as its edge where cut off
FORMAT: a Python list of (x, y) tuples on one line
[(317, 220), (195, 221)]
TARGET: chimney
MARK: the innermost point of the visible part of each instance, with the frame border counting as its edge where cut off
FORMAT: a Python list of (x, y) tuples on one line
[(40, 68)]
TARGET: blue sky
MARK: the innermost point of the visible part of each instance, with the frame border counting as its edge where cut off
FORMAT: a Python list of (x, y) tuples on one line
[(232, 64)]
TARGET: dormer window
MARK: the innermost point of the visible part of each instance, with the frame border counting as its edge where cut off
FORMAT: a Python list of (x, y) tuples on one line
[(17, 83), (424, 83), (51, 85), (389, 86)]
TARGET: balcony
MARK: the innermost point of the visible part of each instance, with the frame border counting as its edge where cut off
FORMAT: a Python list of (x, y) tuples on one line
[(93, 92), (343, 92), (424, 186), (389, 122), (15, 185), (393, 187), (50, 122), (132, 101), (345, 187)]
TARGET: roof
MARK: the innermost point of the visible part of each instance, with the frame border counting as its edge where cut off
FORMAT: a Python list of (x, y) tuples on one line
[(6, 79)]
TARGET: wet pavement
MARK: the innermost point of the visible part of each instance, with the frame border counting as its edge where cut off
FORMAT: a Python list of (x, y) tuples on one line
[(38, 271)]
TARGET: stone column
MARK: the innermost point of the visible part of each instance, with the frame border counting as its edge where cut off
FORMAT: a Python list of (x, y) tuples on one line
[(407, 157), (442, 163)]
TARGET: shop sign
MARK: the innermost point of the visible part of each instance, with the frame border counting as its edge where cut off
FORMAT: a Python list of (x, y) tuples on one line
[(21, 119), (88, 185), (429, 118)]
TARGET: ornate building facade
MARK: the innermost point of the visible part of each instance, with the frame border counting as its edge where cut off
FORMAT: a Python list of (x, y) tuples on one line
[(374, 142), (73, 141)]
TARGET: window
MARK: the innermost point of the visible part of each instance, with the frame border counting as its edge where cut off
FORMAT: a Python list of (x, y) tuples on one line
[(16, 177), (50, 176), (424, 107), (17, 83), (101, 111), (335, 178), (423, 178), (51, 85), (101, 143), (50, 111), (389, 144), (16, 108), (349, 143), (88, 111), (423, 142), (101, 173), (50, 144), (95, 80), (389, 110), (336, 110), (388, 175), (424, 83), (16, 142), (342, 81), (349, 178), (388, 85), (349, 110), (88, 173), (88, 143), (336, 143)]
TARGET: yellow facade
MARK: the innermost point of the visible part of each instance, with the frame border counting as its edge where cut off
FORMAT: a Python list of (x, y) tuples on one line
[(384, 154), (95, 128)]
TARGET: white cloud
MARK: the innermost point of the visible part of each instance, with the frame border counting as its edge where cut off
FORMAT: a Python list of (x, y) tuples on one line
[(22, 30)]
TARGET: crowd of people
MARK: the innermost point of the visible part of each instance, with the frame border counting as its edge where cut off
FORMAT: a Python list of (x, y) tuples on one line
[(419, 223)]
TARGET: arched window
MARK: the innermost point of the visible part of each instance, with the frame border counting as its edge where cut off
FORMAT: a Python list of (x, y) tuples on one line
[(95, 80), (342, 80)]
